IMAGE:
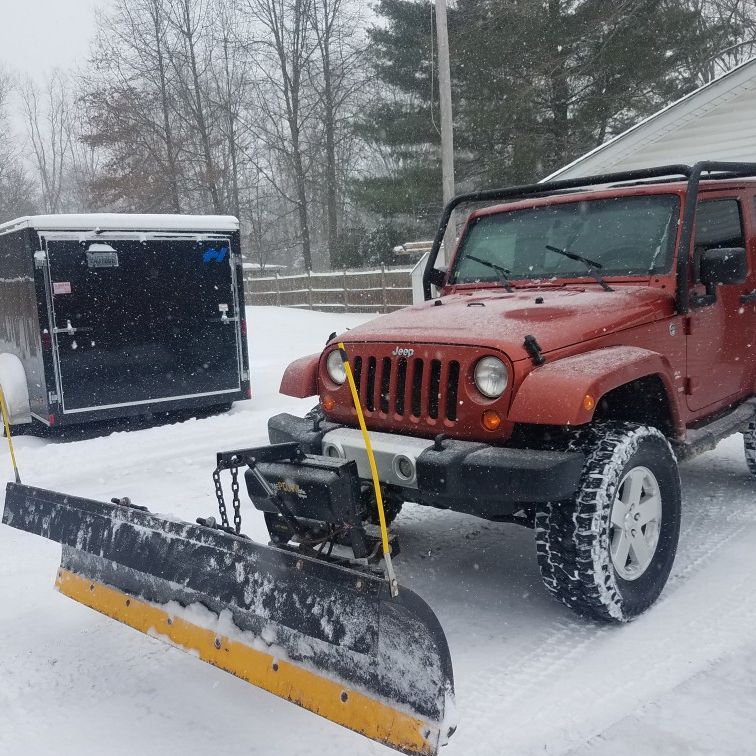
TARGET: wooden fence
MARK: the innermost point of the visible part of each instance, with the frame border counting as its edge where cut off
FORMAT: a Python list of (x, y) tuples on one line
[(382, 290)]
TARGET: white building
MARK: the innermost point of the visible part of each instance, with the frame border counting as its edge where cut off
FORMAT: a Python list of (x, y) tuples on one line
[(715, 122)]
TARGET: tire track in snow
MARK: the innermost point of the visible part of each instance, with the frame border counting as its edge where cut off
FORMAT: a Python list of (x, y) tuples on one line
[(535, 692), (582, 680)]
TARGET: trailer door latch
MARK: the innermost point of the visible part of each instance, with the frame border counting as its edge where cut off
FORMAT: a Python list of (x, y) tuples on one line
[(69, 329)]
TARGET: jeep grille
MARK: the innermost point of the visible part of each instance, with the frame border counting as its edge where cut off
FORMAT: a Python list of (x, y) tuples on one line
[(408, 386)]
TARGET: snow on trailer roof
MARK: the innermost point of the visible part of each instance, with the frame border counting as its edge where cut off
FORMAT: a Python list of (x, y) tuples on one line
[(123, 222)]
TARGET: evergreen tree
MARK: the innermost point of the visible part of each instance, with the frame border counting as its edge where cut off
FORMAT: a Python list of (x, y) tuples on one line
[(405, 180), (536, 84)]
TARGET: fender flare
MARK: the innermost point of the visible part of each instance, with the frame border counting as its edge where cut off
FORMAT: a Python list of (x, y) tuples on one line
[(15, 388), (300, 379), (553, 393)]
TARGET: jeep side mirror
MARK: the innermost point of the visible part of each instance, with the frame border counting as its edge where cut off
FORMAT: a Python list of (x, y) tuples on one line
[(438, 277), (727, 265)]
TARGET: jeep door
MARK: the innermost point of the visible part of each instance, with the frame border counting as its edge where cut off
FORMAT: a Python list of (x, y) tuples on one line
[(719, 343)]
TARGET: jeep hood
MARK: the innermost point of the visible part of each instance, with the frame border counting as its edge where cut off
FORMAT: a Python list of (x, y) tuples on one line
[(556, 317)]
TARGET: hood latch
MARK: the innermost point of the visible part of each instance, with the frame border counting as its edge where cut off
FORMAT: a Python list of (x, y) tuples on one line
[(534, 350)]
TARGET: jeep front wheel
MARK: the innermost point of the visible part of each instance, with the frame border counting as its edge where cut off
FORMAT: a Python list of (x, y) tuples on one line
[(607, 552)]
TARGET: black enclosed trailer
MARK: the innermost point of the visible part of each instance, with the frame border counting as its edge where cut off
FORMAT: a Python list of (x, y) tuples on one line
[(105, 316)]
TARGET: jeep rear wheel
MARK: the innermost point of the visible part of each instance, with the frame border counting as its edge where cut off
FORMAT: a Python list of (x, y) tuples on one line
[(607, 552)]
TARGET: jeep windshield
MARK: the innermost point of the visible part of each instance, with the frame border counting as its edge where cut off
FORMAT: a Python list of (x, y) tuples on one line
[(625, 236)]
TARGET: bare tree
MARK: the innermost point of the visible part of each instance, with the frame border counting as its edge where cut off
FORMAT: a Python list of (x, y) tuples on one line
[(84, 164), (231, 82), (47, 115), (128, 98), (16, 189), (158, 27), (191, 20), (287, 47), (736, 23), (340, 83), (217, 105)]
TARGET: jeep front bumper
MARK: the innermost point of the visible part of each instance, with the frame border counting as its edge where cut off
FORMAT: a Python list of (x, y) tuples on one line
[(465, 476)]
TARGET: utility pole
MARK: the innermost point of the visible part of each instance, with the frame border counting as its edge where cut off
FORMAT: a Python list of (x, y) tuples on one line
[(447, 123)]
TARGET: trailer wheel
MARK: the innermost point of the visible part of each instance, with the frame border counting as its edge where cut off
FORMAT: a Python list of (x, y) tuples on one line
[(607, 552), (749, 446), (14, 386)]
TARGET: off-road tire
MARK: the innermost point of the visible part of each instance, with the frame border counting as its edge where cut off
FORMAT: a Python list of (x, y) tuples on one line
[(749, 446), (572, 537)]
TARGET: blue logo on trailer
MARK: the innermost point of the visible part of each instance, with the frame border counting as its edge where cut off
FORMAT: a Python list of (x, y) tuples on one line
[(215, 255)]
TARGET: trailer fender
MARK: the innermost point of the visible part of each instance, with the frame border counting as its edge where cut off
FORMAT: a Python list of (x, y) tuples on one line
[(567, 391), (300, 379), (15, 388)]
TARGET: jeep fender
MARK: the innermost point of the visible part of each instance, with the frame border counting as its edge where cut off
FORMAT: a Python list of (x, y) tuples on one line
[(300, 379), (15, 388), (554, 393)]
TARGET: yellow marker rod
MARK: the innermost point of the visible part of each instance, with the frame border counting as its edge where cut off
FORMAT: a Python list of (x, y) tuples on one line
[(373, 469), (6, 424)]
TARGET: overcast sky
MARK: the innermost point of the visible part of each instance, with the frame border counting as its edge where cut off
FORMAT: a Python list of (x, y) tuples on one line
[(37, 35)]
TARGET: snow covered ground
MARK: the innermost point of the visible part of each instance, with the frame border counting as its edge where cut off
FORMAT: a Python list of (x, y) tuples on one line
[(530, 677)]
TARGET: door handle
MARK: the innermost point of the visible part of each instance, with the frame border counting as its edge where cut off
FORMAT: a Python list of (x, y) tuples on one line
[(748, 298), (223, 319), (69, 329)]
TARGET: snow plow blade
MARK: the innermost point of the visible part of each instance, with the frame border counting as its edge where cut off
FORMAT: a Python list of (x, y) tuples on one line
[(328, 638)]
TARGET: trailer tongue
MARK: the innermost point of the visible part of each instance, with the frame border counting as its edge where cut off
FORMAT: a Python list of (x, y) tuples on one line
[(290, 619)]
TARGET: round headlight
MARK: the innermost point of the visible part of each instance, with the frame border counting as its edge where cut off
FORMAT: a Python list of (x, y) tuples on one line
[(335, 367), (491, 377)]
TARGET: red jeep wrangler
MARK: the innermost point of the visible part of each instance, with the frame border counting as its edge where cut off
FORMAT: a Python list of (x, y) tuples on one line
[(588, 335)]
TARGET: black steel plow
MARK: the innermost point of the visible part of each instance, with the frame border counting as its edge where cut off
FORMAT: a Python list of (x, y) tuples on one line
[(326, 637)]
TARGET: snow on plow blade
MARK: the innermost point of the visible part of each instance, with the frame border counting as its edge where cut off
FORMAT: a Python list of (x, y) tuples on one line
[(327, 638)]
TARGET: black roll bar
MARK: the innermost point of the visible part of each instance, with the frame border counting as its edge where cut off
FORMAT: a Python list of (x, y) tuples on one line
[(716, 170)]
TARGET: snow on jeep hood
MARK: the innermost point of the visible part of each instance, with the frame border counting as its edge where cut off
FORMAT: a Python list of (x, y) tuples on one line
[(502, 320)]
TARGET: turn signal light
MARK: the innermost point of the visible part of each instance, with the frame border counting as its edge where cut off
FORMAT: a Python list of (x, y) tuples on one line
[(328, 403), (491, 420), (588, 402)]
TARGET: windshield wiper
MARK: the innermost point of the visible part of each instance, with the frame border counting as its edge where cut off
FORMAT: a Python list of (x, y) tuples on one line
[(592, 265), (654, 258), (502, 273)]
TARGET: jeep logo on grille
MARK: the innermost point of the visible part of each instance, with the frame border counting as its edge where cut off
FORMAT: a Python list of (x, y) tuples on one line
[(399, 352)]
